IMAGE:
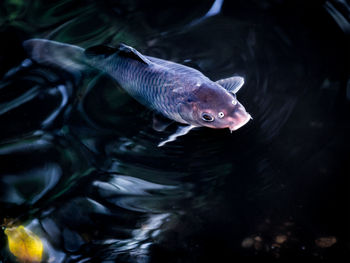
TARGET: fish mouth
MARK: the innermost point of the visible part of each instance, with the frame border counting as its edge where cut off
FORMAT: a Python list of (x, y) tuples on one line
[(241, 118)]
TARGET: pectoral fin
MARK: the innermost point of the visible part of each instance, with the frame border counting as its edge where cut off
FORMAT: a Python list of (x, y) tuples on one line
[(182, 130), (160, 123), (232, 84)]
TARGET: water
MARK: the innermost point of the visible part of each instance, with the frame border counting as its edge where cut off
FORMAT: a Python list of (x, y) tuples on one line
[(79, 162)]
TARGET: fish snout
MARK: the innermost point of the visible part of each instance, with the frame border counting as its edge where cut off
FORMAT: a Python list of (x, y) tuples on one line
[(239, 118)]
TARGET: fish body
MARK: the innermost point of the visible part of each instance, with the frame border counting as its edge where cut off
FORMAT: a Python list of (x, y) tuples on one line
[(174, 90), (153, 85), (178, 92), (159, 85)]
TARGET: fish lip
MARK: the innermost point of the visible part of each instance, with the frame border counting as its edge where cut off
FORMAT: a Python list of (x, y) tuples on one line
[(233, 127)]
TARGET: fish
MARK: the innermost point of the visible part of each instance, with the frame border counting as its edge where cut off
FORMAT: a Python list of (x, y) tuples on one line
[(178, 92)]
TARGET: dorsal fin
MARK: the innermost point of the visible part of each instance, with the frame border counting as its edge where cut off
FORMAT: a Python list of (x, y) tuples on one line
[(233, 84), (129, 52), (122, 50)]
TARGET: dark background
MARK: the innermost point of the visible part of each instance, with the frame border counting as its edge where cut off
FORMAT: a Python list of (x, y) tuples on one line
[(79, 164)]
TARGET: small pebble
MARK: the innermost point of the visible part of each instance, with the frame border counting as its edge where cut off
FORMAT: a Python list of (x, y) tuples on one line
[(325, 242), (280, 239), (258, 239), (247, 242)]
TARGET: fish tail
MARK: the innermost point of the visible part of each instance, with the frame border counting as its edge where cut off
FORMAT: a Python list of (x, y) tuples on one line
[(53, 53)]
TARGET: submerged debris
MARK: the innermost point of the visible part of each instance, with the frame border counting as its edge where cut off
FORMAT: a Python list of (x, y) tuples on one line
[(24, 244)]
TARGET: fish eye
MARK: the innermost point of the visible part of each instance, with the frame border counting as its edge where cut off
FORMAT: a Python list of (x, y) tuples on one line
[(234, 102), (207, 117), (221, 114)]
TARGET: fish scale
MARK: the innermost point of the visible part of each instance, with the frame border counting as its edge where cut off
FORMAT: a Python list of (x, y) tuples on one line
[(148, 86)]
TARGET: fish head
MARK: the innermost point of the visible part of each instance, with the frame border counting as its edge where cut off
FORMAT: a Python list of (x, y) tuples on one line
[(214, 107)]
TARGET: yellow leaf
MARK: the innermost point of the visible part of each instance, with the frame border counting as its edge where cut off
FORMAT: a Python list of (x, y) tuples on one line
[(24, 244)]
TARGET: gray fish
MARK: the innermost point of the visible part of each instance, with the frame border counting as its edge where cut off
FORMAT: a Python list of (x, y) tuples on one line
[(178, 92)]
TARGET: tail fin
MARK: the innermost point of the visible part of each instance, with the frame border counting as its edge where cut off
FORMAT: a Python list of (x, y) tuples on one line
[(43, 51)]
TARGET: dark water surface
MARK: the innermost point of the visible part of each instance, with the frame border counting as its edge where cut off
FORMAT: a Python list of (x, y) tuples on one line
[(79, 161)]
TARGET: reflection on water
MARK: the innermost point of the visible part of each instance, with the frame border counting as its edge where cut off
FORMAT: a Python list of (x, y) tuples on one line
[(80, 165)]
